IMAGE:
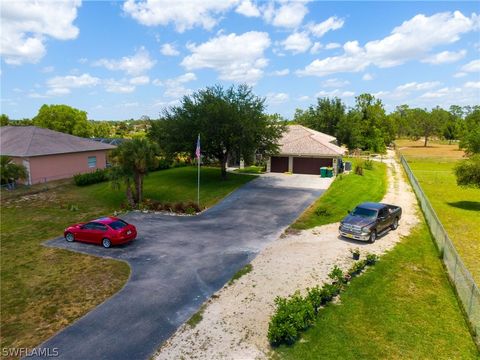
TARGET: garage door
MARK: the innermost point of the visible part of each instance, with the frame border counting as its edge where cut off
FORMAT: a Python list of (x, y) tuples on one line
[(279, 164), (310, 165)]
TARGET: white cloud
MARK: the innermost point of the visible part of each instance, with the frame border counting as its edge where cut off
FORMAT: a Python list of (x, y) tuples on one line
[(303, 98), (411, 40), (183, 14), (336, 93), (459, 74), (472, 66), (288, 15), (133, 65), (248, 9), (367, 77), (335, 83), (157, 82), (316, 48), (414, 86), (61, 85), (169, 50), (282, 72), (472, 84), (26, 26), (298, 42), (445, 57), (140, 80), (175, 88), (332, 23), (119, 87), (229, 55), (277, 98), (331, 46)]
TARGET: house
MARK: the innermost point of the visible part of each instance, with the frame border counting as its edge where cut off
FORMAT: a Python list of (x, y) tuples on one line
[(51, 155), (305, 151)]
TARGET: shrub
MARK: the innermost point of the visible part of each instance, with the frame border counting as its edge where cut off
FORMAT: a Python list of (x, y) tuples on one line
[(314, 295), (94, 177), (357, 268), (292, 315), (368, 164), (336, 275), (371, 259), (322, 211), (163, 164), (359, 169)]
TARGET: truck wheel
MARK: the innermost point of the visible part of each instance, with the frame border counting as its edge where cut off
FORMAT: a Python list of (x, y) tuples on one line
[(395, 224), (373, 236)]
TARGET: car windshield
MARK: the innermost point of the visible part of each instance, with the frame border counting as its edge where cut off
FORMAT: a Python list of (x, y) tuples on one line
[(117, 225), (366, 213)]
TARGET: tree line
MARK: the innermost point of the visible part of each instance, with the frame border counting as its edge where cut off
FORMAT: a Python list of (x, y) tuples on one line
[(233, 121)]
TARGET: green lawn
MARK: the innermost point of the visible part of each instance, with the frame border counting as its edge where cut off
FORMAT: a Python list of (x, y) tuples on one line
[(403, 308), (458, 208), (344, 194), (44, 289)]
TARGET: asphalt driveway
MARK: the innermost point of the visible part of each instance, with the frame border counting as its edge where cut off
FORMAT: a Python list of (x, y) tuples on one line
[(178, 262)]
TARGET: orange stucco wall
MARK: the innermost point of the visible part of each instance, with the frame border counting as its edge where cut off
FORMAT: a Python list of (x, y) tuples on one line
[(61, 166)]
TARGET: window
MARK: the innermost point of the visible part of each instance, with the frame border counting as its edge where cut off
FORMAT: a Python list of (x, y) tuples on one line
[(100, 227), (89, 226), (117, 225), (92, 161)]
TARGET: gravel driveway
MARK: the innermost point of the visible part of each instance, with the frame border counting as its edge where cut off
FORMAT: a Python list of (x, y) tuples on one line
[(177, 262)]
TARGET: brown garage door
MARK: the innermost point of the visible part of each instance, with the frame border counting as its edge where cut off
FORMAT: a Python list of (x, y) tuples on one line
[(279, 164), (310, 165)]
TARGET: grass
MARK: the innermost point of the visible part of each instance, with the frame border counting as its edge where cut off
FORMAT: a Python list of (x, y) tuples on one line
[(243, 271), (343, 195), (458, 208), (197, 317), (45, 289), (251, 170), (403, 308)]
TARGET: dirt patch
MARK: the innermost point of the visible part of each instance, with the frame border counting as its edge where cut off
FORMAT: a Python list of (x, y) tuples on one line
[(235, 323)]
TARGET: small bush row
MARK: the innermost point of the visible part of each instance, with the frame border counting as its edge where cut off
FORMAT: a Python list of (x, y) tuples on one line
[(296, 313), (94, 177), (177, 207)]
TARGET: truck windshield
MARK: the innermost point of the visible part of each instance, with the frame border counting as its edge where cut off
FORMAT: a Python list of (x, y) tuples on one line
[(366, 213)]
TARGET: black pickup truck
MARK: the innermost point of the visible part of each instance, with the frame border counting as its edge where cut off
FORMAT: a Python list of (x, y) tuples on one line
[(368, 220)]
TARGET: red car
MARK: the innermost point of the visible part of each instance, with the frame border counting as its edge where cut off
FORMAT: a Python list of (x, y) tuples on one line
[(107, 231)]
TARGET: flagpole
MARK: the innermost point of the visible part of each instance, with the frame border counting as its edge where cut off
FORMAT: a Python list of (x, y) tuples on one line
[(198, 172)]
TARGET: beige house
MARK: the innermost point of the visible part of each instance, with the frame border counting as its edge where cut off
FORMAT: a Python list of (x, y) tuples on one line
[(305, 151), (51, 155)]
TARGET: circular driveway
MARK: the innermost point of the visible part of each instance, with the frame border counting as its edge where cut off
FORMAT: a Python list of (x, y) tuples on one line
[(178, 262)]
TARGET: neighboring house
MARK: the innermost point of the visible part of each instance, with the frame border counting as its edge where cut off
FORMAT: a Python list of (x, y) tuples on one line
[(305, 151), (51, 155)]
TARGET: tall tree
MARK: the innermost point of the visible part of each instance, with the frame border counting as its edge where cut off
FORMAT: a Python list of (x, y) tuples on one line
[(424, 124), (229, 121), (324, 117), (470, 141), (132, 161), (10, 171), (4, 120), (63, 118)]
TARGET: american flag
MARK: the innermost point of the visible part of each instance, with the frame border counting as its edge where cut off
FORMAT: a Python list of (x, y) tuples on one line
[(197, 151)]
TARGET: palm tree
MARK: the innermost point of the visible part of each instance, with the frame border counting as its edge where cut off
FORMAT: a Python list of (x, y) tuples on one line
[(11, 172), (132, 161)]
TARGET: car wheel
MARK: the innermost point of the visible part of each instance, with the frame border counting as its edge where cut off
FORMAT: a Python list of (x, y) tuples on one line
[(373, 237), (395, 224), (70, 237), (106, 243)]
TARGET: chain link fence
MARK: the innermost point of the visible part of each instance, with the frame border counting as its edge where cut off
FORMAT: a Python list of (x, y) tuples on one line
[(467, 290)]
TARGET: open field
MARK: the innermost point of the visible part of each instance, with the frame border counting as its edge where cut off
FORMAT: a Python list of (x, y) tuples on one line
[(403, 308), (344, 194), (458, 208), (45, 289)]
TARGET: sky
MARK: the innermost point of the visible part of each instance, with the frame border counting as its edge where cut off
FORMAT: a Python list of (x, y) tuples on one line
[(119, 60)]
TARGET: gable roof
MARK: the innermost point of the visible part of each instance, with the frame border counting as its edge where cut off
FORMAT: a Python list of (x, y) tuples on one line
[(24, 141), (300, 140)]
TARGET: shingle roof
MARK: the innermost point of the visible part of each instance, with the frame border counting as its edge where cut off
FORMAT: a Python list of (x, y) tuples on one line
[(299, 140), (27, 141)]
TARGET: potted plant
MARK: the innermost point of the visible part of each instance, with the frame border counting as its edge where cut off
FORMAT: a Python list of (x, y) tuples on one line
[(355, 253)]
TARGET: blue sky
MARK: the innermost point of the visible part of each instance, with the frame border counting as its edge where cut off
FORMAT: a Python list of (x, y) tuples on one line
[(119, 60)]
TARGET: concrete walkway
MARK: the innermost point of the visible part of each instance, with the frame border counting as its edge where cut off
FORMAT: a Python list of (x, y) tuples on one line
[(178, 262)]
